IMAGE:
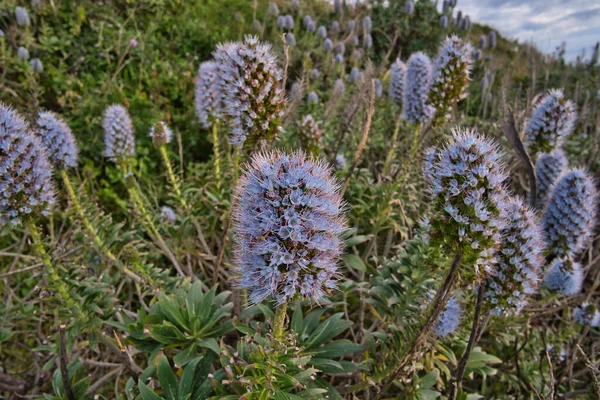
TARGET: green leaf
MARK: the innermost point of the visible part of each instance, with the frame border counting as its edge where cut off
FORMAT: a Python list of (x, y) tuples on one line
[(147, 393), (168, 333), (167, 379), (210, 343), (427, 394), (430, 379), (328, 330), (354, 262), (339, 348), (353, 241)]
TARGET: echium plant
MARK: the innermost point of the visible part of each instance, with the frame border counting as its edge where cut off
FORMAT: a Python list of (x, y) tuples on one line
[(467, 184), (27, 189), (417, 83), (288, 220), (553, 120), (251, 89), (548, 168), (519, 260), (119, 140), (161, 136), (397, 74), (587, 314), (570, 216), (311, 137), (450, 76), (207, 96)]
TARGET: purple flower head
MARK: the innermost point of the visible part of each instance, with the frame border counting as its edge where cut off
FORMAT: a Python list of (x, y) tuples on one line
[(289, 22), (337, 6), (167, 214), (355, 74), (335, 28), (367, 24), (466, 179), (313, 98), (553, 120), (397, 75), (409, 7), (36, 65), (417, 82), (322, 32), (354, 41), (57, 139), (207, 97), (340, 161), (564, 276), (492, 40), (367, 41), (327, 45), (295, 5), (280, 22), (450, 319), (290, 39), (288, 220), (519, 259), (273, 10), (161, 134), (339, 59), (22, 16), (570, 216), (119, 139), (587, 314), (315, 74), (444, 21), (307, 21), (257, 26), (251, 90), (311, 137), (26, 186), (351, 26), (339, 48), (450, 76), (22, 54), (482, 42), (548, 168)]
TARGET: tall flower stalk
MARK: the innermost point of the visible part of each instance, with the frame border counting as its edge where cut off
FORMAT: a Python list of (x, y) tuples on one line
[(161, 136)]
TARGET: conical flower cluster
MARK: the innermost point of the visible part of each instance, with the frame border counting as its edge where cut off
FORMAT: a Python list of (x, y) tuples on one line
[(251, 90), (553, 120), (58, 140), (548, 168), (288, 220), (397, 74), (311, 137), (570, 216), (207, 97), (466, 181), (519, 260), (26, 186), (450, 76), (119, 139), (417, 83), (450, 319), (161, 134), (565, 277)]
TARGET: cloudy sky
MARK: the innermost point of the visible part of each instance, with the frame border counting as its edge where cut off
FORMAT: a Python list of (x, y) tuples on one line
[(545, 22)]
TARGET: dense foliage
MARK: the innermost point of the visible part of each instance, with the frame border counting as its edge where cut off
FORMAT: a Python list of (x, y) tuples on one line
[(293, 199)]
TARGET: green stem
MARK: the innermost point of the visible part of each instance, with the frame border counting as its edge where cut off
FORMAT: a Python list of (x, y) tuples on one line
[(171, 175), (138, 202), (279, 321), (390, 155), (53, 275), (99, 244), (217, 154)]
